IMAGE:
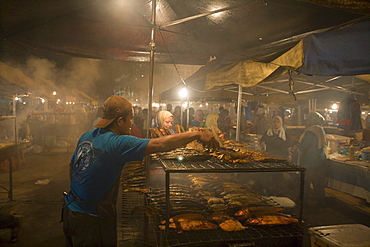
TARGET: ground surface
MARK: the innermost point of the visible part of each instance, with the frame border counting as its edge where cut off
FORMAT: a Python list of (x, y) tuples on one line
[(40, 205)]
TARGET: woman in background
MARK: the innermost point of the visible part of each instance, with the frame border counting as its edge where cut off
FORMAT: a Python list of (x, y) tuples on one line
[(211, 121), (276, 141), (198, 119), (165, 120)]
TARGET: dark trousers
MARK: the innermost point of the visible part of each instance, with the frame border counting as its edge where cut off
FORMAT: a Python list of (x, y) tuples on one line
[(81, 230), (316, 176)]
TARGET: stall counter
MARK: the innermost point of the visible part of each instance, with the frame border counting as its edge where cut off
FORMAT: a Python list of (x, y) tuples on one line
[(351, 177)]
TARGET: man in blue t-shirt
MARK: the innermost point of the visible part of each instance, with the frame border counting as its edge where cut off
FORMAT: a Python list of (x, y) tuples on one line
[(89, 215)]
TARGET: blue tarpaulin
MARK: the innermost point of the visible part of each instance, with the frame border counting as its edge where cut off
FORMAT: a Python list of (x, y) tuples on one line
[(340, 52)]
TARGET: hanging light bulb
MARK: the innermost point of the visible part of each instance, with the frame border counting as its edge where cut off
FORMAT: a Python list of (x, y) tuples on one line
[(183, 92)]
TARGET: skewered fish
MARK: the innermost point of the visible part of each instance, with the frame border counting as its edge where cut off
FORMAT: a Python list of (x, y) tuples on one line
[(162, 195), (272, 220), (174, 212), (193, 225), (244, 201), (167, 131), (202, 193), (149, 211), (218, 207), (186, 217), (137, 189), (220, 217), (186, 202), (179, 129), (240, 196), (249, 210), (232, 226), (215, 200), (155, 132)]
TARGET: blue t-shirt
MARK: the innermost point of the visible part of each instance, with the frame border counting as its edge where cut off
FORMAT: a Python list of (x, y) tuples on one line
[(98, 161)]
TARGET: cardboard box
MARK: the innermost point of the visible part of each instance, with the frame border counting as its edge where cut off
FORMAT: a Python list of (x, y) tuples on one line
[(348, 235)]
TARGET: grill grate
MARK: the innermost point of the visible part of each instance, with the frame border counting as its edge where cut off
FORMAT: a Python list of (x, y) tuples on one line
[(136, 229), (131, 228), (215, 165), (283, 235)]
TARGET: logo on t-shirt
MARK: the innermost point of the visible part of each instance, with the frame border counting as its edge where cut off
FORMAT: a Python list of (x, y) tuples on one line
[(85, 157)]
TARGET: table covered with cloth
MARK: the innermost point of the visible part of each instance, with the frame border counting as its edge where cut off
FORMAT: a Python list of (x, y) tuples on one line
[(349, 176)]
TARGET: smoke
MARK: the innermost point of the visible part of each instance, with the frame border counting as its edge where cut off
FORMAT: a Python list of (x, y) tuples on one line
[(41, 68), (75, 73), (80, 74)]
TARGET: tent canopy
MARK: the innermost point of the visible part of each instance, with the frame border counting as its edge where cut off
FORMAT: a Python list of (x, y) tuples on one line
[(237, 32), (340, 52), (187, 32)]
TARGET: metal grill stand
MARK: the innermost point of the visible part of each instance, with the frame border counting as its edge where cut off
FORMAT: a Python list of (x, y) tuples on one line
[(252, 234), (139, 230)]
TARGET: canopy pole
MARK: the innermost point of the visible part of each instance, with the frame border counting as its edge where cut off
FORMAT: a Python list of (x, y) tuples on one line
[(10, 191), (238, 113), (150, 89), (188, 109), (151, 69)]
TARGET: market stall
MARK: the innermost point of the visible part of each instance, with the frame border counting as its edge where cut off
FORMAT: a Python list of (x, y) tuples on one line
[(49, 129), (204, 199), (11, 151)]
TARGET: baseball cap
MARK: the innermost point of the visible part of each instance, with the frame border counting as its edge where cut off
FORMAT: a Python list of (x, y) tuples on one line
[(115, 106)]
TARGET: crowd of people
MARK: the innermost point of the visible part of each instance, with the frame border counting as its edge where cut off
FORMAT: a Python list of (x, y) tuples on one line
[(169, 118)]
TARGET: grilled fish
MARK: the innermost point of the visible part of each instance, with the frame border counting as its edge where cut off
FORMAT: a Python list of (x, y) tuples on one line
[(218, 207), (137, 189), (215, 200), (232, 226), (272, 220), (193, 225), (149, 211), (134, 179), (220, 217), (249, 210), (186, 217), (205, 193)]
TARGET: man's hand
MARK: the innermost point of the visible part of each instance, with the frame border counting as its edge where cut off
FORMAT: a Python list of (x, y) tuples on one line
[(209, 140)]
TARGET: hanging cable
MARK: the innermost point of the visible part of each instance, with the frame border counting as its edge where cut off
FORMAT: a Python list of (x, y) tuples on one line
[(291, 84), (174, 64)]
